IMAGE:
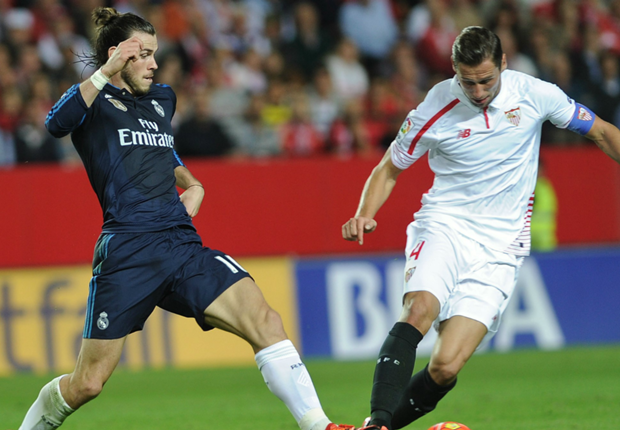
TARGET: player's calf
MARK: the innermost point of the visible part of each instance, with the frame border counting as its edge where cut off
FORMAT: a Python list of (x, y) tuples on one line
[(420, 397)]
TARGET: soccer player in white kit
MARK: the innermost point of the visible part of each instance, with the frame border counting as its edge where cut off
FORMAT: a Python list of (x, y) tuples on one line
[(467, 242)]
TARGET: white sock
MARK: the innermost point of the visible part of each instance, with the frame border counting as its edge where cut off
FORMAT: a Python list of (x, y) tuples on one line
[(287, 377), (49, 410)]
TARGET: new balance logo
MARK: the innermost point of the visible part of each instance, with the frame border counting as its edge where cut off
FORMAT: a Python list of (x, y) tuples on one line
[(464, 133)]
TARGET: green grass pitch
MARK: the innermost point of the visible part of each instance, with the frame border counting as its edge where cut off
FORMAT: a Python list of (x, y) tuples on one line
[(570, 389)]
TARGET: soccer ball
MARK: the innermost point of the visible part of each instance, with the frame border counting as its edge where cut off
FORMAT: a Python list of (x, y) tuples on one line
[(449, 425)]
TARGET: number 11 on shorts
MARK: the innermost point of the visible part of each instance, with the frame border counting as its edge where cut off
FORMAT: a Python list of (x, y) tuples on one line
[(416, 251)]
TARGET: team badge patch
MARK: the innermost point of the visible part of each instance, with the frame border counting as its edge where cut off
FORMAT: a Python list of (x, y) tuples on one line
[(409, 273), (103, 321), (584, 115), (118, 105), (158, 108), (513, 116)]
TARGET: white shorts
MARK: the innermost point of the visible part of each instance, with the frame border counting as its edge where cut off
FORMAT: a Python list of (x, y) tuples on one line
[(467, 278)]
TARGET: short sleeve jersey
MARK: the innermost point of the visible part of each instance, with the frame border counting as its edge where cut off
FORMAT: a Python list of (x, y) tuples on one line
[(126, 144), (485, 160)]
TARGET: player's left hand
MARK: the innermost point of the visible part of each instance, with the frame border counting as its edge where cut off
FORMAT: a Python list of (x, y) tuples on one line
[(192, 199)]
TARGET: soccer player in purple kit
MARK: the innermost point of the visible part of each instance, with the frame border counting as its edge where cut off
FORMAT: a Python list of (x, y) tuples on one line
[(481, 130), (148, 253)]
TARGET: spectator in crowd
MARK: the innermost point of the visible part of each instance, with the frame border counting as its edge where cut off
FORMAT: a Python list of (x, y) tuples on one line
[(464, 13), (299, 136), (59, 44), (33, 144), (254, 137), (248, 74), (372, 27), (18, 24), (543, 224), (405, 76), (509, 16), (607, 92), (200, 134), (562, 76), (379, 106), (348, 75), (542, 52), (228, 103), (310, 45), (228, 26), (585, 61), (7, 149), (349, 134), (274, 66), (323, 103), (276, 110), (517, 60), (10, 109), (432, 29), (255, 42)]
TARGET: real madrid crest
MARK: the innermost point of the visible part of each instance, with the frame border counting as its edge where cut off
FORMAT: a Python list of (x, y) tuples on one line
[(158, 108), (103, 321)]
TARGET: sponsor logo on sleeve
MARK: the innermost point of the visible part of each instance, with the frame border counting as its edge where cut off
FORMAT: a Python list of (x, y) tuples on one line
[(404, 129)]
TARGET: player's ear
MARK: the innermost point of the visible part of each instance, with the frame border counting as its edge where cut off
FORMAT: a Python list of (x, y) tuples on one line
[(453, 65), (111, 51)]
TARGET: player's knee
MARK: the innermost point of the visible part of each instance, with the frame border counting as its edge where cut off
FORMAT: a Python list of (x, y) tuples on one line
[(269, 326), (273, 321), (444, 372), (86, 390), (420, 310)]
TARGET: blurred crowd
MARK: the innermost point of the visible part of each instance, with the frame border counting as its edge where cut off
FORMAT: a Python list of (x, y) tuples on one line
[(260, 78)]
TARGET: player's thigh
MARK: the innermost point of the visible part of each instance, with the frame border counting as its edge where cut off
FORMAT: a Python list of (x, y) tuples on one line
[(243, 310), (218, 292)]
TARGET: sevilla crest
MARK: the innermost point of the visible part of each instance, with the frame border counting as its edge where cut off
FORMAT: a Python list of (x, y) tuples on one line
[(514, 116)]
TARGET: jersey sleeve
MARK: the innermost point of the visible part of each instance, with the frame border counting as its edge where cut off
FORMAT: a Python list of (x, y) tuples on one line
[(555, 105), (177, 160), (67, 114), (415, 136)]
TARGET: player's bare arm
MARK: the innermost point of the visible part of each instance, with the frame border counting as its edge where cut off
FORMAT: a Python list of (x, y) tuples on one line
[(119, 55), (194, 191), (376, 191), (607, 137)]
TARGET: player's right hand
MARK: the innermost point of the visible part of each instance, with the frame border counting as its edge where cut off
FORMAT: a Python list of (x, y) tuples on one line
[(355, 228), (128, 50)]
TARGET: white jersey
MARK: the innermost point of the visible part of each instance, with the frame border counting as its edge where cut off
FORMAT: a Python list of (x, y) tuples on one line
[(485, 160)]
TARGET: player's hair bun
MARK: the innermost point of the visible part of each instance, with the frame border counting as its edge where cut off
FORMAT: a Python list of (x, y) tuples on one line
[(102, 16)]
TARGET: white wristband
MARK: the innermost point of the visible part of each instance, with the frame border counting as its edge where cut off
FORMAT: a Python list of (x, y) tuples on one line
[(99, 79)]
